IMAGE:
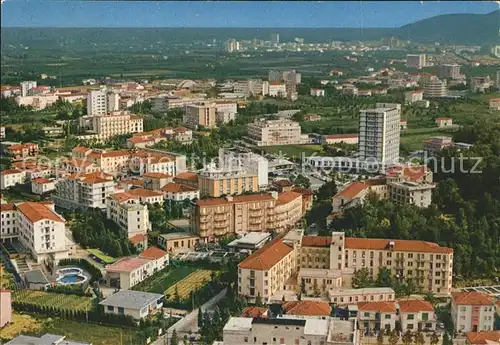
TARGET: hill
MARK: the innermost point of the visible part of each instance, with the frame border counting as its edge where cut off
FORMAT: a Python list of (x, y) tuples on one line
[(469, 29)]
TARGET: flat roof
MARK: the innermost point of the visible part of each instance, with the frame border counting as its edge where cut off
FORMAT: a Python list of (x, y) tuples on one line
[(316, 327), (238, 324), (36, 276), (342, 292), (252, 238), (131, 299), (177, 235)]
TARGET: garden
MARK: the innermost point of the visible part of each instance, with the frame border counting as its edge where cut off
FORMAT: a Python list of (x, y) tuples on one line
[(52, 300), (163, 280), (192, 282)]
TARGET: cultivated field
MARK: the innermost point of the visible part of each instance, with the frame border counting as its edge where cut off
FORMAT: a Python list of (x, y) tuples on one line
[(192, 282), (55, 300)]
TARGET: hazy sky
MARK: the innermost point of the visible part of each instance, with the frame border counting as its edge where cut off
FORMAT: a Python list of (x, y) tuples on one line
[(82, 13)]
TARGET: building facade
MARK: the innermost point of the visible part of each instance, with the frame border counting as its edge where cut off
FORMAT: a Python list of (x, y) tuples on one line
[(200, 115), (275, 132)]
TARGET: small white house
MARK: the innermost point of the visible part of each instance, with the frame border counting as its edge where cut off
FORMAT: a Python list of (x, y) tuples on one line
[(137, 304), (42, 185), (317, 92)]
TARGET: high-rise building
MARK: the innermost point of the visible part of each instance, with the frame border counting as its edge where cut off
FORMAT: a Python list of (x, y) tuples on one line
[(449, 71), (435, 87), (379, 131), (97, 103), (415, 60), (232, 45), (113, 102), (26, 86), (274, 76), (200, 114), (275, 38)]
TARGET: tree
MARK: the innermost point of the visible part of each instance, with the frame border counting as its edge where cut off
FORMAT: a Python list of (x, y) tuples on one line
[(434, 338), (302, 181), (393, 337), (419, 338), (384, 278), (327, 191), (380, 338), (362, 279), (407, 338), (200, 318), (173, 339), (258, 300)]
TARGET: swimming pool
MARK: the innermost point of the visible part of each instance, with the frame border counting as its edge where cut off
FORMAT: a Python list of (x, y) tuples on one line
[(70, 276)]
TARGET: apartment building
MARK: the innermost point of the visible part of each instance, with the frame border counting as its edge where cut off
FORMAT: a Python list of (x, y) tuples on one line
[(344, 297), (250, 87), (376, 316), (128, 271), (416, 316), (156, 181), (97, 102), (41, 231), (266, 271), (480, 84), (8, 222), (102, 127), (22, 151), (215, 182), (126, 210), (200, 115), (84, 190), (274, 89), (434, 87), (147, 196), (42, 185), (11, 177), (27, 86), (449, 71), (408, 192), (331, 139), (247, 160), (416, 60), (379, 132), (180, 192), (414, 96), (164, 103), (472, 312), (331, 331), (213, 218), (275, 132)]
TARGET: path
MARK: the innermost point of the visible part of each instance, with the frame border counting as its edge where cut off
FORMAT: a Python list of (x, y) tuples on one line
[(189, 322)]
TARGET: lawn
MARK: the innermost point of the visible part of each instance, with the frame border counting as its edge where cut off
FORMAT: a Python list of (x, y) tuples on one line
[(55, 300), (76, 331), (192, 282), (413, 139), (104, 258), (161, 281)]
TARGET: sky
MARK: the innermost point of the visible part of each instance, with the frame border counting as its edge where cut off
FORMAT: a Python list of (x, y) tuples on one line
[(83, 13)]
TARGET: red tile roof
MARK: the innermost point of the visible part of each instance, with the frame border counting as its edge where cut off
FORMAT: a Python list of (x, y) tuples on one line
[(177, 188), (307, 308), (156, 175), (266, 257), (443, 118), (127, 264), (283, 183), (413, 173), (10, 172), (7, 207), (316, 241), (139, 238), (141, 192), (342, 136), (287, 197), (35, 212), (471, 298), (399, 245), (82, 149), (415, 306), (253, 312), (484, 337), (153, 253), (41, 180), (235, 200), (187, 175), (382, 307), (352, 190)]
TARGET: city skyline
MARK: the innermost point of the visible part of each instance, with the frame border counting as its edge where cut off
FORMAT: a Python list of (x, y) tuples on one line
[(360, 14)]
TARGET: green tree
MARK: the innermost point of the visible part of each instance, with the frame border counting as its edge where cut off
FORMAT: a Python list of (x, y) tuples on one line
[(380, 338), (200, 318), (362, 279), (173, 338), (407, 338), (419, 338), (393, 337), (384, 278)]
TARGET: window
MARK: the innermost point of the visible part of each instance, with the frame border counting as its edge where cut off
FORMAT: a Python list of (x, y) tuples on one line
[(121, 310), (110, 308), (245, 339), (387, 316), (410, 317)]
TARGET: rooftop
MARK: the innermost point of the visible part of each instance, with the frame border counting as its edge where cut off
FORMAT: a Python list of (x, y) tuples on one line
[(129, 299), (178, 188), (37, 211), (397, 245), (485, 337), (139, 238), (384, 307), (127, 264), (253, 312), (307, 308), (352, 190), (46, 339), (238, 324), (471, 298), (153, 253), (316, 327), (316, 241), (252, 238), (234, 200), (141, 192), (266, 257), (177, 236), (36, 276), (414, 306)]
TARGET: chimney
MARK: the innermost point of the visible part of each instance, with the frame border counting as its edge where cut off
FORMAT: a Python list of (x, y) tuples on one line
[(274, 194)]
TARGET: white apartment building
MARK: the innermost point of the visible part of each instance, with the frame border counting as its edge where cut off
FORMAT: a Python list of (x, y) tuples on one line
[(317, 92), (11, 177), (449, 71), (2, 132), (414, 96), (247, 160), (97, 103), (9, 228), (434, 88), (201, 114), (350, 296), (377, 316), (416, 316), (472, 312), (102, 127), (409, 192), (416, 60), (180, 192), (379, 133), (113, 102), (274, 89), (250, 87), (42, 185), (128, 213), (26, 86), (41, 231), (276, 132), (84, 191), (330, 331)]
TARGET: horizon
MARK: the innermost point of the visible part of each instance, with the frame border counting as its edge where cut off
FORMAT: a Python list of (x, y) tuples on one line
[(228, 15)]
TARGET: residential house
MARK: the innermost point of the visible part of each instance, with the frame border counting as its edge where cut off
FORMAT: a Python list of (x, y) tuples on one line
[(137, 304)]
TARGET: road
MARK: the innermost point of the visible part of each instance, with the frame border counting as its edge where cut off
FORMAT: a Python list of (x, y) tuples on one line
[(189, 322)]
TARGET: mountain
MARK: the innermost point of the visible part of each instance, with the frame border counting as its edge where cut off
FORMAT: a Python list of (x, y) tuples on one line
[(470, 29)]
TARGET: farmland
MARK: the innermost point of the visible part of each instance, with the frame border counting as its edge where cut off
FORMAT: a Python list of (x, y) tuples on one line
[(54, 300), (164, 279), (192, 282)]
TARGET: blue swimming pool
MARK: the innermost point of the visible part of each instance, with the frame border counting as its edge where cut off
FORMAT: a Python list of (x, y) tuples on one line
[(69, 276)]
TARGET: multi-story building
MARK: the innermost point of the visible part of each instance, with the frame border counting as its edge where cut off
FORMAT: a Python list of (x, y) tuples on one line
[(180, 192), (11, 177), (84, 191), (377, 316), (266, 271), (317, 92), (42, 185), (232, 45), (126, 210), (97, 103), (9, 228), (379, 133), (472, 312), (414, 96), (402, 191), (480, 84), (343, 297), (128, 271), (5, 307), (274, 89), (436, 144), (200, 115), (311, 331), (213, 218), (164, 103), (275, 132), (434, 87), (245, 159), (156, 181), (26, 87), (449, 71), (175, 242), (416, 316), (2, 132), (416, 60), (215, 182), (102, 127), (22, 151), (352, 139), (41, 231)]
